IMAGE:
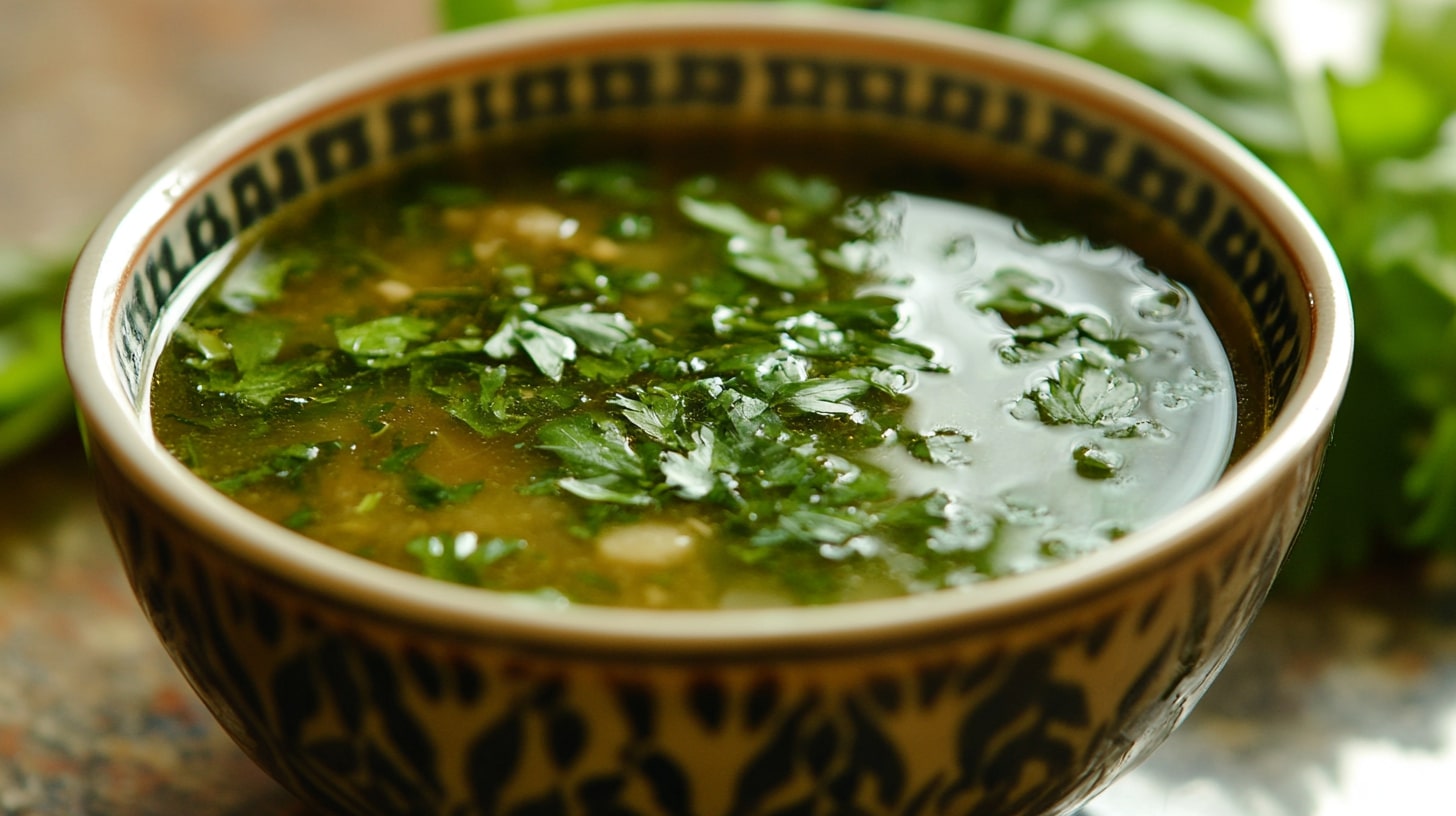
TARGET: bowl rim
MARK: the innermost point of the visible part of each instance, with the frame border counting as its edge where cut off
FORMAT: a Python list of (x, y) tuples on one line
[(369, 589)]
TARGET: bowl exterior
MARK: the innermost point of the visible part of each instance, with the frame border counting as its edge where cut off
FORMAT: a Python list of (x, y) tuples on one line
[(365, 706)]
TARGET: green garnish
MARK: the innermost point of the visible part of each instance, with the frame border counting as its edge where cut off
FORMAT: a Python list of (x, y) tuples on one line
[(764, 252), (286, 464), (35, 397), (461, 558)]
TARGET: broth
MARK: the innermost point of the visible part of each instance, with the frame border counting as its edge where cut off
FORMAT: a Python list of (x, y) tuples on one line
[(680, 375)]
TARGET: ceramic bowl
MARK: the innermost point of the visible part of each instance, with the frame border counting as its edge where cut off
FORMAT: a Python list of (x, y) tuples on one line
[(369, 691)]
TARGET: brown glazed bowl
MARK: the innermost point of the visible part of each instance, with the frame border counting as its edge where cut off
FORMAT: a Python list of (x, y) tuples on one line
[(366, 690)]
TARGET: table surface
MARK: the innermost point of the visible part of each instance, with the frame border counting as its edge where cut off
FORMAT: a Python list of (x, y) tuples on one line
[(1339, 703)]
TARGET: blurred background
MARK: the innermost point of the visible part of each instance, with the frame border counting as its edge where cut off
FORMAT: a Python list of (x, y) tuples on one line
[(1343, 699)]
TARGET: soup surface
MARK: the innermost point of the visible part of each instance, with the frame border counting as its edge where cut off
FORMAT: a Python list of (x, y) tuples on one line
[(685, 377)]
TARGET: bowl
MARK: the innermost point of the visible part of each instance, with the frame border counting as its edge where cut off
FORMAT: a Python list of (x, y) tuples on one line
[(366, 690)]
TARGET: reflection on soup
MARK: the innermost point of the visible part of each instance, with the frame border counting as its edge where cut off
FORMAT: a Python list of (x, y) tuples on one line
[(682, 379)]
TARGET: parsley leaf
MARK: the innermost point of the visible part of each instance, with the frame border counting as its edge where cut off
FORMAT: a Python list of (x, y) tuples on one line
[(287, 463), (424, 491), (597, 332), (1084, 393), (461, 558), (626, 182), (942, 447), (692, 474), (383, 342), (250, 285), (550, 337), (822, 396), (547, 348), (261, 385), (656, 412), (761, 251), (593, 446)]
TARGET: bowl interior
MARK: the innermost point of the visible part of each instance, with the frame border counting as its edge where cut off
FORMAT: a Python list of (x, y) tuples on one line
[(931, 90)]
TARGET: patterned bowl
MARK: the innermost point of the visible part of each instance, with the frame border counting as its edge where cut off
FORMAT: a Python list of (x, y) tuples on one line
[(369, 691)]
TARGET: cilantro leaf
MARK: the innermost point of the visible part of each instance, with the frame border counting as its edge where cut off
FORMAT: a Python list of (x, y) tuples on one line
[(402, 458), (422, 490), (625, 182), (805, 197), (474, 394), (427, 492), (1097, 462)]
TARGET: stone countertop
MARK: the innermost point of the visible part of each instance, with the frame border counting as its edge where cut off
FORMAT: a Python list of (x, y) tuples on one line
[(1339, 703)]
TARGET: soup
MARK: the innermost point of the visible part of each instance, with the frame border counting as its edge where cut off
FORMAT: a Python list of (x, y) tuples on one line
[(684, 375)]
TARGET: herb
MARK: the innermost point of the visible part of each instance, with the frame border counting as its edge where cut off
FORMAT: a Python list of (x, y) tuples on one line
[(623, 182), (383, 342), (422, 490), (804, 197), (287, 464), (723, 433), (1096, 462), (1082, 392), (259, 283), (593, 447), (943, 447), (461, 558), (550, 337), (474, 394), (1039, 326), (263, 384), (761, 251), (35, 397)]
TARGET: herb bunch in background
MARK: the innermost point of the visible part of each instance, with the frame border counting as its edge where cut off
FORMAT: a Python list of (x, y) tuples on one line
[(35, 396), (1352, 104)]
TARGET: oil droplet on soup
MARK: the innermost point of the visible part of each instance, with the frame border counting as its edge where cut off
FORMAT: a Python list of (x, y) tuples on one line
[(681, 383)]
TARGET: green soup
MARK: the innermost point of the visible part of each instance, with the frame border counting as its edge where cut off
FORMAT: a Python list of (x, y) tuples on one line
[(686, 377)]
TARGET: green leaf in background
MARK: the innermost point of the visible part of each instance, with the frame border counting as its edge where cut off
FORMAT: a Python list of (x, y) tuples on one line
[(1355, 108), (456, 14), (465, 13), (35, 396)]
